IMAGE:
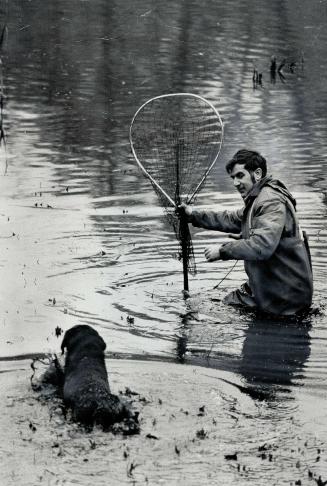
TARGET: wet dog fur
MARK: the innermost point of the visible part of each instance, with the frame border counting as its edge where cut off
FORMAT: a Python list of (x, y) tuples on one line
[(86, 387)]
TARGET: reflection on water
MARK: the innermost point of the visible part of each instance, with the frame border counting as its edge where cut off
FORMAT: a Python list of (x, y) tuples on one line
[(83, 239), (274, 354)]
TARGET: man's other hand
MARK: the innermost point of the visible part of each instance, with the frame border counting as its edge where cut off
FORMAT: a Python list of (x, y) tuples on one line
[(185, 209), (212, 254)]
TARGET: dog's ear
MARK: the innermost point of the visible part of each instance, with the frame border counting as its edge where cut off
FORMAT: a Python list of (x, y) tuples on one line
[(64, 344), (67, 337), (103, 344)]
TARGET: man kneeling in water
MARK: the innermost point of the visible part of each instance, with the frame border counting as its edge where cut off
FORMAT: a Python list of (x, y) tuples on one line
[(276, 257)]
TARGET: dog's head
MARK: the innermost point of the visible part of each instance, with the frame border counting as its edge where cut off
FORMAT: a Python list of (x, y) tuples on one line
[(82, 336)]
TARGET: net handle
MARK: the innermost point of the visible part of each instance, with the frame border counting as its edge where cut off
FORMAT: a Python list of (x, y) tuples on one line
[(154, 182)]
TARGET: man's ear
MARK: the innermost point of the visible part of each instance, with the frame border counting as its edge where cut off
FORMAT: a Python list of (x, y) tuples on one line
[(257, 174)]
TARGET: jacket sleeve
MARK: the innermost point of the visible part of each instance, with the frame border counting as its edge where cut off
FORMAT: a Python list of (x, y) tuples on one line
[(226, 221), (268, 221)]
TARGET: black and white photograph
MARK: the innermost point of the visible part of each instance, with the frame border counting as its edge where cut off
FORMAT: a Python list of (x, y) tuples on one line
[(163, 239)]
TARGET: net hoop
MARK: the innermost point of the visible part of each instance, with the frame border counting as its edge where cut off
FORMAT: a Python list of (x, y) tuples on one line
[(146, 173)]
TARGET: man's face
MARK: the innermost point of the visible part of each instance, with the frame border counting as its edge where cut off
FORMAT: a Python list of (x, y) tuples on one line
[(243, 179)]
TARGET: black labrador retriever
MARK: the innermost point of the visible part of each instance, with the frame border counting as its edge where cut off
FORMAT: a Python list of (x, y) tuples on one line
[(86, 387)]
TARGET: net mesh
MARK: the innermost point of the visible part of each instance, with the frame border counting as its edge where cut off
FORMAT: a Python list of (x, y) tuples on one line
[(176, 140)]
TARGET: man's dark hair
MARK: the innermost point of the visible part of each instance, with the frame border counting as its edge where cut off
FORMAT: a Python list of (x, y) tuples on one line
[(250, 159)]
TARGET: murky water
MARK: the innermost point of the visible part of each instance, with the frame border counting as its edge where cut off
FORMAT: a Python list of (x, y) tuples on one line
[(83, 238)]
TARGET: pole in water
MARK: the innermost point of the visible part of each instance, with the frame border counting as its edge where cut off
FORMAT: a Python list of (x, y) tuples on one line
[(184, 235), (183, 228)]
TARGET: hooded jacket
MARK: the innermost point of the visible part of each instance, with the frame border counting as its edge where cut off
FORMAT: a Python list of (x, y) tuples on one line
[(275, 257)]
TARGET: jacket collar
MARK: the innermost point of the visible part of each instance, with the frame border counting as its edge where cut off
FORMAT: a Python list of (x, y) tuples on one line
[(274, 184), (256, 190)]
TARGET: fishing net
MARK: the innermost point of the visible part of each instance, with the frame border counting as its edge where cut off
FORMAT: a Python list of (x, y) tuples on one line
[(176, 140)]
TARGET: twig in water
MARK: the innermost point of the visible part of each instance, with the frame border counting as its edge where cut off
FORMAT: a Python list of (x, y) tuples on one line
[(209, 352), (229, 271)]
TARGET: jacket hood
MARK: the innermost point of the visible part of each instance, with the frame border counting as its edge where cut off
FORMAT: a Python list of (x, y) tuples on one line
[(274, 184)]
